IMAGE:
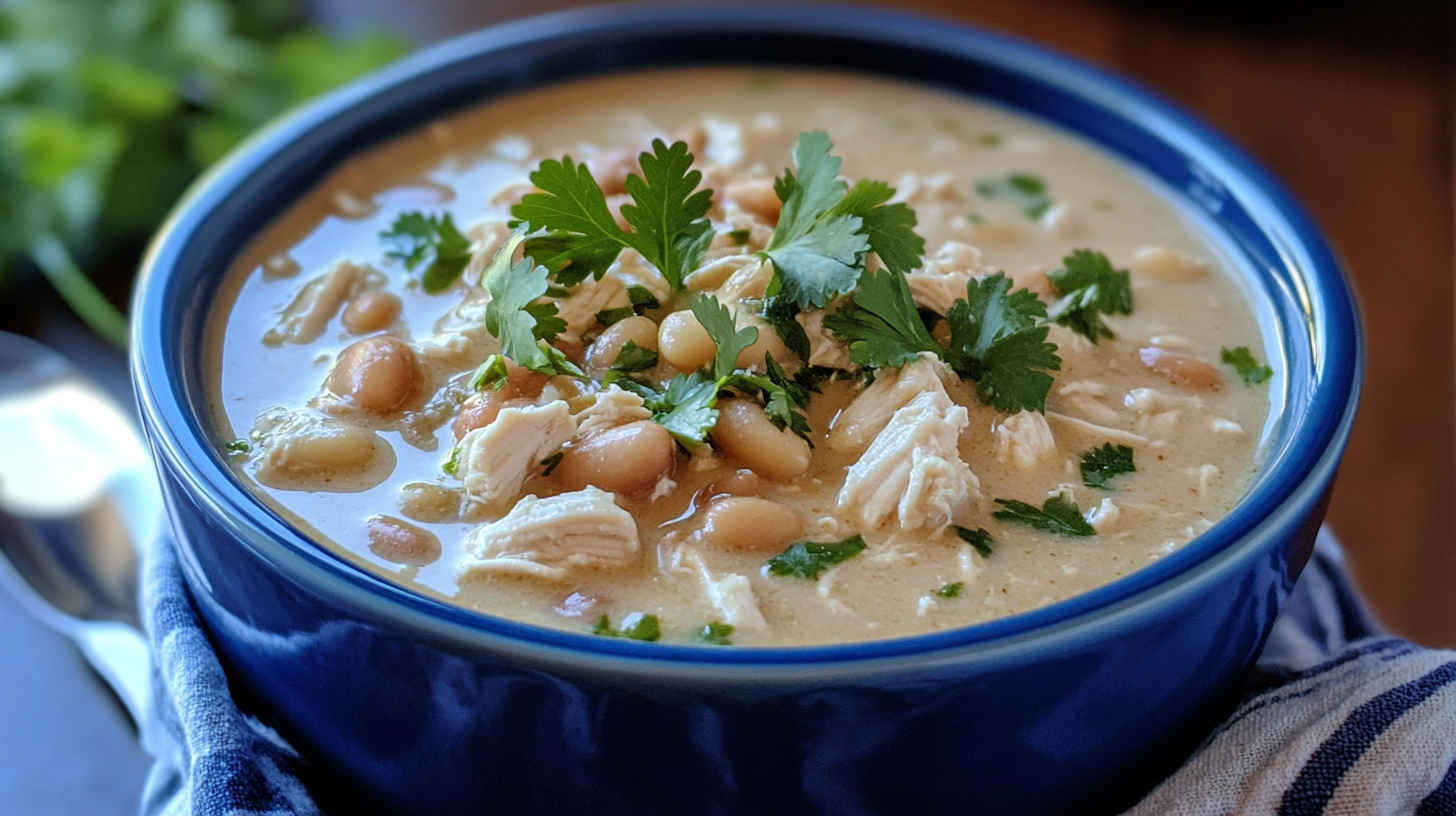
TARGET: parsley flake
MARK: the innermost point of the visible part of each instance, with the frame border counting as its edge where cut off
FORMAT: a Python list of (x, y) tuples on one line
[(491, 374), (634, 627), (951, 590), (632, 358), (1253, 371), (977, 538), (549, 463), (1090, 287), (432, 242), (1099, 465), (1025, 191), (239, 446), (452, 464), (716, 633), (1058, 514), (809, 559)]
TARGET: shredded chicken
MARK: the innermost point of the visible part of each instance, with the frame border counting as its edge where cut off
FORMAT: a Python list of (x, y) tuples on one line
[(580, 308), (495, 460), (912, 472), (548, 537), (943, 279), (824, 348), (870, 412), (1026, 439), (609, 409)]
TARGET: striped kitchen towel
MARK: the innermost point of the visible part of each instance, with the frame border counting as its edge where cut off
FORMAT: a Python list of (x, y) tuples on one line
[(1338, 719)]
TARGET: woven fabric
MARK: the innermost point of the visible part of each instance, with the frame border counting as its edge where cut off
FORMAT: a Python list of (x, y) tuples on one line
[(1338, 719)]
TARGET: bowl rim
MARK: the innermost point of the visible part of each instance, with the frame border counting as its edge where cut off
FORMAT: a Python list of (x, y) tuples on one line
[(1288, 483)]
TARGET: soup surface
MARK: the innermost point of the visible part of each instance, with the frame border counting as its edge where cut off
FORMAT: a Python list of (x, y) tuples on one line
[(802, 408)]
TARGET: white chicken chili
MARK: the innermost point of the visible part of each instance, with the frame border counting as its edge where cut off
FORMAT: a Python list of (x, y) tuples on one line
[(741, 358)]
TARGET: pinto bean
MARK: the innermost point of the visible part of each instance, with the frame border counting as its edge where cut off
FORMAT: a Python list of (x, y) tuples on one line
[(750, 523), (745, 436), (1183, 370), (402, 542), (627, 459), (684, 342), (379, 374), (640, 331), (371, 311)]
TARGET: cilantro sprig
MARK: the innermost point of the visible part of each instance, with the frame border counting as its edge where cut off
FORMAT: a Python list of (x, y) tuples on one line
[(432, 242), (1025, 191), (581, 239), (978, 538), (1058, 514), (825, 229), (809, 559), (634, 627), (1090, 287), (524, 327), (1251, 370), (1100, 465)]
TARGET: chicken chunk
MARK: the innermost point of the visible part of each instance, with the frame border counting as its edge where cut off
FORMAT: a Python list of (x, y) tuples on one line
[(495, 460), (1026, 439), (943, 279), (580, 308), (547, 538), (912, 472), (304, 319), (870, 412), (731, 594), (610, 409)]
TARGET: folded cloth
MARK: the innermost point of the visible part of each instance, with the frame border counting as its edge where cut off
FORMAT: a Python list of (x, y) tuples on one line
[(1338, 718)]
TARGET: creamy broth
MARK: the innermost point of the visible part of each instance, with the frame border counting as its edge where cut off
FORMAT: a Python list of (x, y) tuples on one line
[(1157, 387)]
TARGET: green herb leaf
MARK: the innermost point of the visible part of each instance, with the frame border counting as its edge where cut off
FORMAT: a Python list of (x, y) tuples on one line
[(809, 559), (717, 320), (1099, 465), (666, 213), (642, 298), (432, 242), (1253, 371), (685, 408), (550, 462), (716, 633), (632, 357), (951, 590), (995, 342), (778, 312), (641, 627), (783, 397), (738, 237), (491, 374), (1090, 287), (524, 327), (607, 317), (881, 324), (890, 228), (603, 627), (452, 464), (1023, 190), (1057, 515), (977, 538), (239, 446)]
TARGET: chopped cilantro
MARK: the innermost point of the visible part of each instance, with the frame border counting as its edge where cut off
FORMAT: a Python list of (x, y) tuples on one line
[(685, 408), (1090, 287), (890, 228), (1027, 192), (432, 242), (1099, 465), (491, 374), (977, 538), (452, 464), (716, 633), (783, 397), (1057, 514), (582, 237), (239, 446), (634, 627), (809, 559), (1253, 371), (738, 237), (881, 324), (778, 312), (632, 357), (607, 317), (524, 327), (550, 462), (951, 590), (717, 320), (642, 298), (995, 342)]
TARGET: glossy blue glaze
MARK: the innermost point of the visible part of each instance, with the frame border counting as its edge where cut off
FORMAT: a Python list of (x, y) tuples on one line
[(405, 704)]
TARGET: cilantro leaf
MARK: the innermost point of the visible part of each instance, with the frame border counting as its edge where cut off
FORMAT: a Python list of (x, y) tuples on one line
[(1253, 371), (977, 538), (716, 633), (881, 324), (1058, 514), (951, 590), (778, 312), (239, 446), (1099, 465), (685, 408), (890, 228), (1024, 190), (717, 320), (491, 374), (582, 239), (452, 462), (432, 242), (809, 559), (782, 396), (1090, 287), (995, 342), (632, 357), (550, 463), (523, 326), (634, 627)]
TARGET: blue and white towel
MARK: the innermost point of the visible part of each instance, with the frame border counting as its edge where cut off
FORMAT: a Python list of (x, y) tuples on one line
[(1339, 719)]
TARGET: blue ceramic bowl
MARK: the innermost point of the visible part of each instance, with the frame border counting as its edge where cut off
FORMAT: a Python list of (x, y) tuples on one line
[(404, 704)]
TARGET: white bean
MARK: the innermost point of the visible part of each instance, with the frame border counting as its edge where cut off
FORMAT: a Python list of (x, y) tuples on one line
[(745, 435)]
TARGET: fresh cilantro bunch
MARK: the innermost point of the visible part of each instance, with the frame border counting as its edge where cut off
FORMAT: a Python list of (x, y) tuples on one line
[(1090, 287), (109, 108), (581, 239), (995, 339), (825, 229)]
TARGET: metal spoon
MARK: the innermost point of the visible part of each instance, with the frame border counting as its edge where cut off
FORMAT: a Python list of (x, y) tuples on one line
[(78, 498)]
